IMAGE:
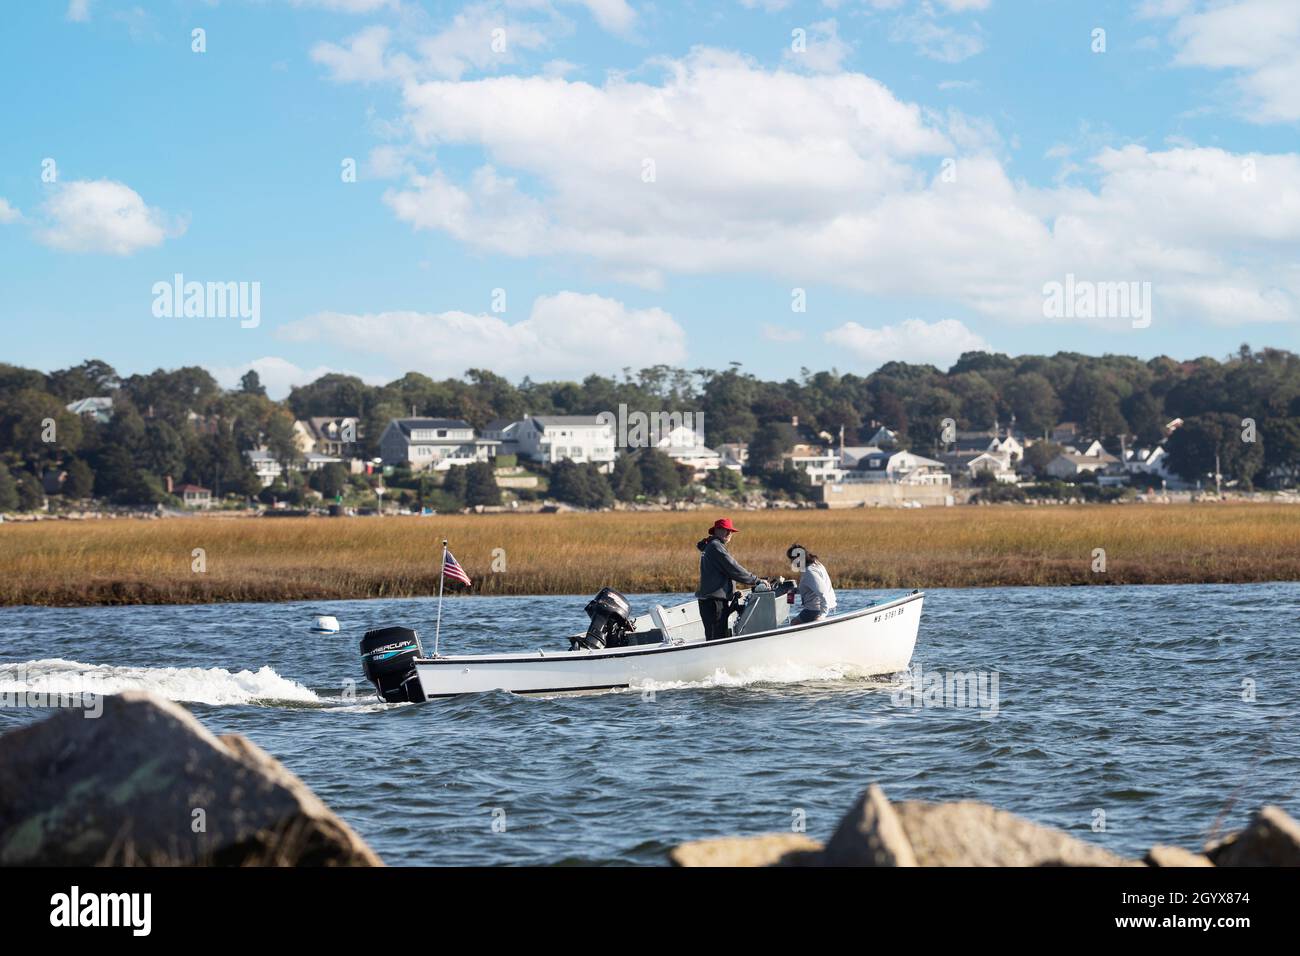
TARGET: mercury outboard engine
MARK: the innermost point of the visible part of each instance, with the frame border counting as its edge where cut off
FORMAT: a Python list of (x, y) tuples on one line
[(388, 659), (611, 621)]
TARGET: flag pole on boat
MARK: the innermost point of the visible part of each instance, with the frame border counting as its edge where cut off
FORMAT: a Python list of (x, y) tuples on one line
[(442, 573)]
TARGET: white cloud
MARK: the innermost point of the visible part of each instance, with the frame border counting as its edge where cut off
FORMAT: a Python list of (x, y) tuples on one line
[(780, 333), (824, 52), (566, 335), (276, 374), (936, 40), (912, 340), (347, 6), (831, 178), (1257, 39), (8, 213), (485, 36), (78, 11), (363, 59), (102, 216), (616, 16)]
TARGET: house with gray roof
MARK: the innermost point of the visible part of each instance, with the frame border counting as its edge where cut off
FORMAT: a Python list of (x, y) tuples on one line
[(547, 439), (433, 443)]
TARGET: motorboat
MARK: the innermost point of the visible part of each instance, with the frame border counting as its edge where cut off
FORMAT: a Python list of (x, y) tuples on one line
[(663, 647)]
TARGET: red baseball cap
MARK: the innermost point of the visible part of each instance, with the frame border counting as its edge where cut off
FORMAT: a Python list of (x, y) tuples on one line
[(723, 524)]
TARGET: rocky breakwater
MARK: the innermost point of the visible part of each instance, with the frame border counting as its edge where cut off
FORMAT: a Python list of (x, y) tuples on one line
[(876, 832), (146, 784)]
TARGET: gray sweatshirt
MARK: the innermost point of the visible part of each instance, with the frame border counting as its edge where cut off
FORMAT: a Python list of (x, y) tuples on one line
[(719, 572), (815, 591)]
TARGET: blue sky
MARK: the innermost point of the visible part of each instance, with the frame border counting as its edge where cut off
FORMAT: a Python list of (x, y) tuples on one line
[(645, 182)]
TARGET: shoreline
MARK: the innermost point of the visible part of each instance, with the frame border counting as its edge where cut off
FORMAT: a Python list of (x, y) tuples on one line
[(108, 563)]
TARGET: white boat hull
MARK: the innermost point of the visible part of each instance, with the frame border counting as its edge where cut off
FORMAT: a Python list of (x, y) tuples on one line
[(876, 640)]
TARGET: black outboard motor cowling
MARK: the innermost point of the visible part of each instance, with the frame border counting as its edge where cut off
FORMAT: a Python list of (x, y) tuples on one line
[(388, 659), (611, 621)]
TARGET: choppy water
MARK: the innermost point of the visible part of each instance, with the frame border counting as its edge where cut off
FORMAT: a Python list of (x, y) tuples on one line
[(1126, 700)]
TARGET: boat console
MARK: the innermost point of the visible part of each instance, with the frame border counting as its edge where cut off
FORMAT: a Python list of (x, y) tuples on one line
[(765, 609)]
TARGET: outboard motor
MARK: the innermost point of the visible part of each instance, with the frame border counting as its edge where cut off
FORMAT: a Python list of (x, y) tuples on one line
[(388, 659), (611, 622)]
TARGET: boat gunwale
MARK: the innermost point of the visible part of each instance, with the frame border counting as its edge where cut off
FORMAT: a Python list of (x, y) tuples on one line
[(535, 656)]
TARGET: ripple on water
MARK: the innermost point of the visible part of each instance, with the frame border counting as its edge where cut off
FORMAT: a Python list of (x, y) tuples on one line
[(1128, 699)]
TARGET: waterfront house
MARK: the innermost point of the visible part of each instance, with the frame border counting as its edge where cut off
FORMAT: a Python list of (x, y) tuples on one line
[(433, 443), (195, 496), (547, 439), (333, 436)]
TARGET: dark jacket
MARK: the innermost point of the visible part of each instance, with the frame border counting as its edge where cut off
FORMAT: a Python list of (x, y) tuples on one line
[(719, 572)]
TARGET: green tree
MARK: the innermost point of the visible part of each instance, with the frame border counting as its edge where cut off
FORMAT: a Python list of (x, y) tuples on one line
[(1034, 402), (8, 490), (1192, 449), (659, 475), (725, 480), (28, 418), (1039, 455), (80, 482), (481, 485), (31, 495), (626, 478), (582, 485), (251, 384), (772, 441), (455, 484), (330, 481), (282, 441)]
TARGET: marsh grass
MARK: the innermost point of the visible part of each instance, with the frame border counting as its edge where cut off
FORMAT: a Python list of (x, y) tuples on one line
[(258, 559)]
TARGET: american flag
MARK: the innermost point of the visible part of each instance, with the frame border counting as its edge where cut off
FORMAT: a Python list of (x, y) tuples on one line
[(451, 569)]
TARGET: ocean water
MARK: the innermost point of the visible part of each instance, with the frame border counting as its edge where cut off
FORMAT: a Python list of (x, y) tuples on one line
[(1126, 715)]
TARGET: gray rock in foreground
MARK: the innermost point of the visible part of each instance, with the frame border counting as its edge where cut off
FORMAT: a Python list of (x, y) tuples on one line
[(870, 834), (877, 833), (766, 849), (1174, 856), (1271, 838), (975, 834), (147, 784)]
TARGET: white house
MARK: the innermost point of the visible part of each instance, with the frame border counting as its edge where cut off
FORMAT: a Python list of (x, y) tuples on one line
[(265, 465), (734, 454), (579, 438), (100, 409), (903, 467), (685, 446), (436, 443), (195, 496), (993, 463), (1070, 464), (820, 467)]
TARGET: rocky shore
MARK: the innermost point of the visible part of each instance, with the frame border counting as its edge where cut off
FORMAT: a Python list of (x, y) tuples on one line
[(145, 784), (876, 832)]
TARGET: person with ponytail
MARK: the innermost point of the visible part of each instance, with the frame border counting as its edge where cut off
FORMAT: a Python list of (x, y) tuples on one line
[(816, 595)]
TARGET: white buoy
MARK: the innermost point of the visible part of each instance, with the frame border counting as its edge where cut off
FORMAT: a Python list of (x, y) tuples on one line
[(325, 624)]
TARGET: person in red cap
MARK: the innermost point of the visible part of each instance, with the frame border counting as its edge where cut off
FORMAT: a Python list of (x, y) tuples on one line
[(719, 575)]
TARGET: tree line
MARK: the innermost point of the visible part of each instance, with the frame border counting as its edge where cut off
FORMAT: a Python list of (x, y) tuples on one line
[(180, 423)]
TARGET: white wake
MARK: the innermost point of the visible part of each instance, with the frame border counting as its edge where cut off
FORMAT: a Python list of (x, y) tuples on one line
[(192, 685), (783, 674)]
